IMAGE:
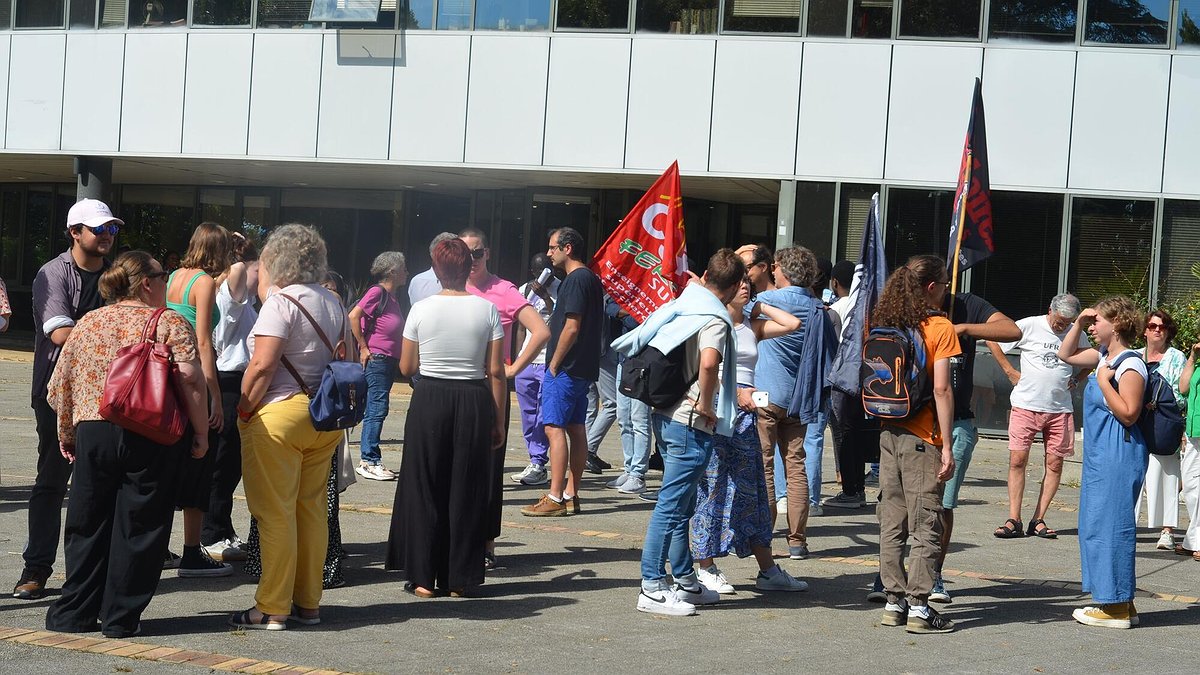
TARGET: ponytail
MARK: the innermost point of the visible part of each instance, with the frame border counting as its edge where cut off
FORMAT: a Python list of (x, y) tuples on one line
[(122, 280)]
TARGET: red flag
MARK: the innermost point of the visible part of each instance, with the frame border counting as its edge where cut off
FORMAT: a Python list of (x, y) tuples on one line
[(643, 265)]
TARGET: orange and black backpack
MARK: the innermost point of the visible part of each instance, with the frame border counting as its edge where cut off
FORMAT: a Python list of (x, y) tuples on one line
[(895, 380)]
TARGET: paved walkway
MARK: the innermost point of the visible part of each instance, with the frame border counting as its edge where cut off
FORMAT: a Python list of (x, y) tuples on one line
[(563, 600)]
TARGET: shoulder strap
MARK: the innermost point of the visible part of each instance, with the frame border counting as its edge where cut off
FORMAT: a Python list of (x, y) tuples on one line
[(150, 332), (312, 321), (296, 376), (187, 290)]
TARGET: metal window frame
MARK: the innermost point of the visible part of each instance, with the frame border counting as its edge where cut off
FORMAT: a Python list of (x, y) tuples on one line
[(630, 17), (62, 25), (1156, 228), (191, 22), (1082, 22), (898, 8)]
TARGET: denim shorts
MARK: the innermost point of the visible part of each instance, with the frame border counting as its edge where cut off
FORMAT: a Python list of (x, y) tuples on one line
[(564, 399)]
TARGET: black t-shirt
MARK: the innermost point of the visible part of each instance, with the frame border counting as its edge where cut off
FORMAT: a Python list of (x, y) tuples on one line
[(967, 309), (581, 294), (89, 292)]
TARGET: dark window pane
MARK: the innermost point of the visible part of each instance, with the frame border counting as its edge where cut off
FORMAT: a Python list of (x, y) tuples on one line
[(512, 15), (284, 14), (871, 19), (1189, 24), (454, 15), (940, 18), (1110, 248), (221, 13), (1179, 267), (853, 208), (918, 223), (689, 17), (82, 14), (416, 14), (10, 233), (38, 246), (762, 16), (1047, 20), (157, 13), (1128, 22), (5, 15), (814, 217), (610, 14), (157, 220), (1022, 276), (827, 18), (39, 14)]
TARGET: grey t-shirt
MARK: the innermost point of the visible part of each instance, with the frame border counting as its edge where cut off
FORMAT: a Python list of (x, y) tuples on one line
[(712, 336)]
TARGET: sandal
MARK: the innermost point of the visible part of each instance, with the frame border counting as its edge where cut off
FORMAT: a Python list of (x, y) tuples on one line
[(1044, 533), (1180, 550), (301, 619), (243, 620), (1011, 529), (419, 592)]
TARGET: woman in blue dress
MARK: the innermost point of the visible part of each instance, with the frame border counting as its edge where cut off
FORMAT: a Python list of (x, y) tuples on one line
[(733, 511), (1114, 458)]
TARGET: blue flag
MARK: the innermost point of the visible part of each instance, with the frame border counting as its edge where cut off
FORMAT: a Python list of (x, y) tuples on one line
[(869, 277)]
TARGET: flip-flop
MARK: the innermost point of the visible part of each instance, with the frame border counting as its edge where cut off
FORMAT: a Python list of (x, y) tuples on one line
[(1011, 529), (1044, 533), (243, 620)]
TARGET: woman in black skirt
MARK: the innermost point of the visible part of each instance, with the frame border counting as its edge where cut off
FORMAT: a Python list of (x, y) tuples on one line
[(439, 521)]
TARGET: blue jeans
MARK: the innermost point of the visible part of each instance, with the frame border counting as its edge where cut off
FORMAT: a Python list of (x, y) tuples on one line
[(602, 412), (380, 372), (780, 476), (965, 437), (633, 416), (685, 453), (814, 449)]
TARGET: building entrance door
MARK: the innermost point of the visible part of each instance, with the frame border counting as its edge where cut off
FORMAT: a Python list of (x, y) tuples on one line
[(551, 211)]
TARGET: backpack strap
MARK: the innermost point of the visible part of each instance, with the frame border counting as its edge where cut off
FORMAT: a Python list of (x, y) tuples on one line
[(317, 327)]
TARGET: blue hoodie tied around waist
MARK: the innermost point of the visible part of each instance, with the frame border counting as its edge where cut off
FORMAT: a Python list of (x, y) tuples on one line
[(677, 321)]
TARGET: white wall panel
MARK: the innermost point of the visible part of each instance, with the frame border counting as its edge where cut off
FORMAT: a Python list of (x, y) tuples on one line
[(152, 96), (755, 105), (284, 94), (1120, 113), (35, 91), (356, 95), (429, 98), (506, 103), (1181, 172), (216, 113), (843, 110), (92, 93), (670, 104), (1027, 97), (929, 108), (586, 99)]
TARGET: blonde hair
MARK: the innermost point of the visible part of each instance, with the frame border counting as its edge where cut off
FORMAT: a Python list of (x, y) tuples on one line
[(124, 277), (1126, 319)]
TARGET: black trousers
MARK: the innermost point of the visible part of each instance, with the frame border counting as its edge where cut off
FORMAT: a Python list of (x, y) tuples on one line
[(856, 438), (495, 504), (226, 464), (49, 489), (117, 529)]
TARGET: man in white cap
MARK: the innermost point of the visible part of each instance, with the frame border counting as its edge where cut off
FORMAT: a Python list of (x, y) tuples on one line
[(64, 290)]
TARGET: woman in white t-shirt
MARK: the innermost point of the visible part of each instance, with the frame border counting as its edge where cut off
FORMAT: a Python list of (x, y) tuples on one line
[(439, 523), (1114, 458)]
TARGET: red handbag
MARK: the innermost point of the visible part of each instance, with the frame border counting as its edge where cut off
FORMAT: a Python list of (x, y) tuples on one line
[(139, 392)]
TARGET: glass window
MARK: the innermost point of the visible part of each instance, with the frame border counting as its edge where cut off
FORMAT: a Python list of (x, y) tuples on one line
[(813, 217), (221, 12), (10, 232), (384, 20), (454, 14), (416, 14), (871, 19), (344, 10), (1110, 248), (157, 219), (284, 14), (1179, 266), (112, 14), (1188, 32), (157, 13), (82, 14), (514, 15), (5, 15), (37, 246), (827, 18), (1046, 20), (1127, 22), (853, 208), (918, 223), (940, 18), (1022, 276), (689, 17), (762, 16), (39, 14), (595, 14)]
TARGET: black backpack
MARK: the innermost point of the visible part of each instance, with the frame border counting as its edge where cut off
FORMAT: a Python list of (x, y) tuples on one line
[(895, 380), (1161, 420), (657, 379)]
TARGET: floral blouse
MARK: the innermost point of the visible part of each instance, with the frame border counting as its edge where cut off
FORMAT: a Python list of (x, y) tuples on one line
[(77, 384), (1171, 367)]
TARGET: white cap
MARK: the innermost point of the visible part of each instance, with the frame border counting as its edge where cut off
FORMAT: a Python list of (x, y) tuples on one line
[(91, 212)]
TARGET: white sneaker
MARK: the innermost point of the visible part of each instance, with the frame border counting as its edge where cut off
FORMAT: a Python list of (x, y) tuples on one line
[(664, 601), (779, 581), (701, 595), (618, 481), (534, 474), (636, 485), (226, 550), (1166, 542), (781, 506), (374, 472), (714, 579)]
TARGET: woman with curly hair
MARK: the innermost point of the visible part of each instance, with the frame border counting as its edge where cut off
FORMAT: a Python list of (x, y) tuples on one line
[(915, 456), (1114, 458)]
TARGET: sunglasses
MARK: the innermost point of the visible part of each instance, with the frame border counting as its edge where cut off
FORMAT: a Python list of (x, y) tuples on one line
[(478, 253), (98, 230), (1156, 327)]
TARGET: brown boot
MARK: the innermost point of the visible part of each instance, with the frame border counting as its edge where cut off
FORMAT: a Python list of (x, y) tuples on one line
[(32, 585)]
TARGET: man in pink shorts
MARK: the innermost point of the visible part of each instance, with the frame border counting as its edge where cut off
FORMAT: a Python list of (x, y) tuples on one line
[(1041, 402)]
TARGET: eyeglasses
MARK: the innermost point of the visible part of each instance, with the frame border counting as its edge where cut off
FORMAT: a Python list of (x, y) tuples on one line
[(1156, 327), (478, 253), (559, 247), (158, 275), (111, 228)]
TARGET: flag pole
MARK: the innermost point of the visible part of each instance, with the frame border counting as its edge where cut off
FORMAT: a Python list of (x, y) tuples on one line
[(962, 216)]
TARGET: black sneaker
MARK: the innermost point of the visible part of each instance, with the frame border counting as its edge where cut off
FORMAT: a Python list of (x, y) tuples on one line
[(845, 501), (198, 563), (596, 465), (932, 623), (649, 496)]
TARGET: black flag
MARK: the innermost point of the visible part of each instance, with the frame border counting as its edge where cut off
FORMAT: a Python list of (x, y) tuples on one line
[(971, 229)]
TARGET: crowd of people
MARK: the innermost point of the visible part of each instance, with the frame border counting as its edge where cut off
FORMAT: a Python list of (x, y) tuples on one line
[(753, 336)]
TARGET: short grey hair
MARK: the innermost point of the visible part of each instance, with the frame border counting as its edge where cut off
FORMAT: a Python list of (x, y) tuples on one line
[(295, 254), (386, 263), (445, 236), (1065, 305), (798, 265)]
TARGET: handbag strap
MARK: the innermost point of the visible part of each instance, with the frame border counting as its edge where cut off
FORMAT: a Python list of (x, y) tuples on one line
[(333, 350), (150, 331)]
